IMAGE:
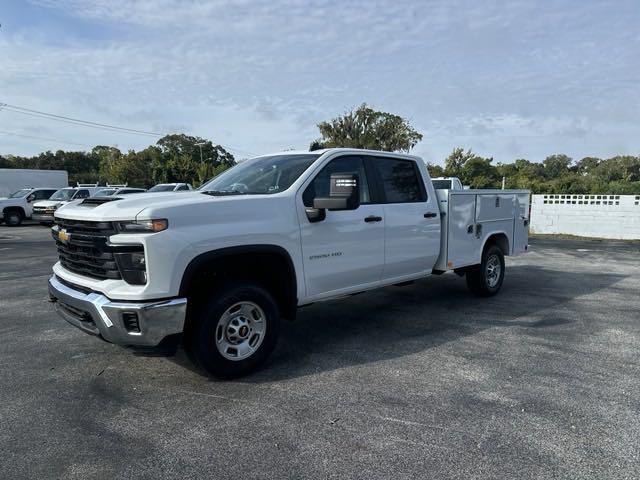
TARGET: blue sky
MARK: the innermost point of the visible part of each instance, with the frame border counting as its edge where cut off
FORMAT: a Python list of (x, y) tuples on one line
[(507, 79)]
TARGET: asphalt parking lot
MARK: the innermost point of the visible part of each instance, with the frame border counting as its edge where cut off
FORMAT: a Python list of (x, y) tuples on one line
[(424, 381)]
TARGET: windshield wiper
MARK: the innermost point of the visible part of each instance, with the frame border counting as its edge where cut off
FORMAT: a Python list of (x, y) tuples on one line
[(228, 192), (222, 192)]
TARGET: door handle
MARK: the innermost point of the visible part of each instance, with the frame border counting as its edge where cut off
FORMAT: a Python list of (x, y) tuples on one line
[(430, 215), (372, 218)]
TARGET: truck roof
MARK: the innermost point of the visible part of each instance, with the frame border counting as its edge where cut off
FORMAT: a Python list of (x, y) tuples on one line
[(355, 151)]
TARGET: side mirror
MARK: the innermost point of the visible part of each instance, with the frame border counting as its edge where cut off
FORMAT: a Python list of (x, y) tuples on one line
[(31, 198), (344, 194)]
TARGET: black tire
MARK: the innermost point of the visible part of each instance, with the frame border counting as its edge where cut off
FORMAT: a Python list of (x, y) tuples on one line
[(13, 218), (201, 337), (482, 279)]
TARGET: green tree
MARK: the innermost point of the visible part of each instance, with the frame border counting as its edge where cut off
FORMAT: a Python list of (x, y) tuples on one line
[(455, 161), (178, 144), (556, 165), (367, 128), (586, 165), (435, 170), (478, 172)]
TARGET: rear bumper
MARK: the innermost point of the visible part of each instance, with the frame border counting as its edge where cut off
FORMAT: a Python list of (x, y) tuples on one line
[(131, 324)]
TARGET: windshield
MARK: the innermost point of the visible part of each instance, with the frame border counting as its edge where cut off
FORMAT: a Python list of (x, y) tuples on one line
[(271, 174), (64, 194), (162, 188), (442, 184), (105, 192), (20, 193)]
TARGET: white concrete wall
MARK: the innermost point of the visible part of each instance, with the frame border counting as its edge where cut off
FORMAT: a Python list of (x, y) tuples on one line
[(599, 216)]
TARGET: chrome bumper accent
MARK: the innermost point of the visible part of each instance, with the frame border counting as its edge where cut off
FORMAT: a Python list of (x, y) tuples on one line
[(95, 314), (42, 217)]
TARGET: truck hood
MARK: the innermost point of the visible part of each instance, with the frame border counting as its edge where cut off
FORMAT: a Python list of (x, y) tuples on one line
[(140, 205), (50, 203)]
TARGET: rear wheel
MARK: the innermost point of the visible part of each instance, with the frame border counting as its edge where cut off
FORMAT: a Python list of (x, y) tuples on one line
[(486, 279), (13, 218), (235, 331)]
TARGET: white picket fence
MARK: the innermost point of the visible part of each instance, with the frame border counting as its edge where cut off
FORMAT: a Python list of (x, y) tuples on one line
[(599, 216)]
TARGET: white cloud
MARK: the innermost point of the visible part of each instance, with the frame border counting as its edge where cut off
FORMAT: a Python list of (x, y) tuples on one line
[(510, 77)]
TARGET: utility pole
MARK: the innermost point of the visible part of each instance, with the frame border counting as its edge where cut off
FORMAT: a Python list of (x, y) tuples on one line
[(200, 145), (504, 181)]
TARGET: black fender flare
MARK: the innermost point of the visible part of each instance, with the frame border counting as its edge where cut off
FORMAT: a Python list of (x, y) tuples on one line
[(194, 266)]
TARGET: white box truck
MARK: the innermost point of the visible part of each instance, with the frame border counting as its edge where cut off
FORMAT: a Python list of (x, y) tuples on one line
[(14, 179)]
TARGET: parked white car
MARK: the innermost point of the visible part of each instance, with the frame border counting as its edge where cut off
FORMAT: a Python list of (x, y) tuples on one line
[(19, 205), (111, 191), (44, 210), (225, 263), (171, 187)]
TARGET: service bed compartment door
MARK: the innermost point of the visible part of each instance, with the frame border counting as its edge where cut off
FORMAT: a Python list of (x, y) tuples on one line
[(521, 224), (463, 242)]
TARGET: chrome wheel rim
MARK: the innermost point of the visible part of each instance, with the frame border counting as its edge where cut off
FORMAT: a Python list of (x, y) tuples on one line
[(494, 268), (240, 331)]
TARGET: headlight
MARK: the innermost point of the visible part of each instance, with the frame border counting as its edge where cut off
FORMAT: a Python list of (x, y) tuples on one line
[(143, 226), (132, 266)]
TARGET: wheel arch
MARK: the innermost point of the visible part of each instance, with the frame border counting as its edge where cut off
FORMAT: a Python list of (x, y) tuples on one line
[(500, 239), (16, 208), (270, 265)]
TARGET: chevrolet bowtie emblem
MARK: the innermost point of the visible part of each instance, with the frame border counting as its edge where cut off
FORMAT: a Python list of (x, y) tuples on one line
[(63, 236)]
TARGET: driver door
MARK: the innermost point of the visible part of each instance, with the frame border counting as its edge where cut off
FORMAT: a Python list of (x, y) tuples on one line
[(344, 252)]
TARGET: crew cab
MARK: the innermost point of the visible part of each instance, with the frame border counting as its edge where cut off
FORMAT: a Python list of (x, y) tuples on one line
[(43, 211), (221, 266), (19, 205)]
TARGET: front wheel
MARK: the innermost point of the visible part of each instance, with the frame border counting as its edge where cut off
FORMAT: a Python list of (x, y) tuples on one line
[(486, 279), (13, 218), (235, 331)]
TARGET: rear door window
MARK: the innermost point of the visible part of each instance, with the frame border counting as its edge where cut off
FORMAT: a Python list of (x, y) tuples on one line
[(400, 179)]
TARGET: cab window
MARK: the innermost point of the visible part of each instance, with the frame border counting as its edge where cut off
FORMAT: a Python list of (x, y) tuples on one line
[(42, 194), (82, 194), (401, 182), (319, 187)]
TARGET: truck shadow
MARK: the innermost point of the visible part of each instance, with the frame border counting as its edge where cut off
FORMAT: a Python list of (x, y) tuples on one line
[(399, 321)]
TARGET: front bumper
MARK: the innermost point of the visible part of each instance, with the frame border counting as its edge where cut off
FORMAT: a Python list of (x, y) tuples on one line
[(123, 323), (42, 217)]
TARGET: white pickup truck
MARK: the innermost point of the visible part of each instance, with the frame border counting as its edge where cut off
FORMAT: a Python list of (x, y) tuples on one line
[(19, 205), (223, 264)]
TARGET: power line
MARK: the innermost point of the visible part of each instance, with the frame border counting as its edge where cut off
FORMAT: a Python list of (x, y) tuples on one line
[(76, 121), (101, 126), (2, 132)]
